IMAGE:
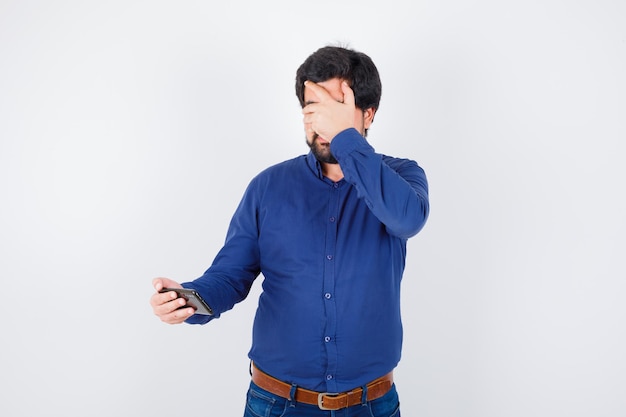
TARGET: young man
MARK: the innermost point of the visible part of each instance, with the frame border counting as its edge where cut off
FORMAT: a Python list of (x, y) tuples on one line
[(328, 231)]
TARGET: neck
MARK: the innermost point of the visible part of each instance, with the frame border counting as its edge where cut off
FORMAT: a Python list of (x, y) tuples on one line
[(332, 171)]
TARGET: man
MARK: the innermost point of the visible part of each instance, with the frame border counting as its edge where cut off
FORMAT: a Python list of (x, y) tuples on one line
[(328, 231)]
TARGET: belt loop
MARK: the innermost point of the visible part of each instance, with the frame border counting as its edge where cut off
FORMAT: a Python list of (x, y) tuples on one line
[(292, 395), (364, 396)]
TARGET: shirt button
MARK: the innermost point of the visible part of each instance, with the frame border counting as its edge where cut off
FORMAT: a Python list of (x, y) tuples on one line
[(329, 257), (329, 377), (327, 339), (332, 219), (335, 185), (327, 296)]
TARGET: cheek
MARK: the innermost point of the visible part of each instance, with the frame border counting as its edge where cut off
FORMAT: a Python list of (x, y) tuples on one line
[(359, 122)]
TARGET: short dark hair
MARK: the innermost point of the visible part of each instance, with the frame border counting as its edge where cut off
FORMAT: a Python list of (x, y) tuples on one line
[(355, 67)]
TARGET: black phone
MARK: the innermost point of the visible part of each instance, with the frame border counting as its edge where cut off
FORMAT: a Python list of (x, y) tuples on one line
[(193, 300)]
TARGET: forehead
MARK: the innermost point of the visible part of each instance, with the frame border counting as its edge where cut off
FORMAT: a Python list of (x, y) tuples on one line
[(333, 86)]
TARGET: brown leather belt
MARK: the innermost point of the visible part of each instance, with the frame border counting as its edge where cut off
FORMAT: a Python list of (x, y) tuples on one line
[(324, 400)]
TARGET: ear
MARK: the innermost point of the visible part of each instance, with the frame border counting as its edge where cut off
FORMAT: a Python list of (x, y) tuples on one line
[(368, 117)]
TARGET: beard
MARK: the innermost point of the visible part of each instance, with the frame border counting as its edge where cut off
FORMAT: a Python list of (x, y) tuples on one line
[(321, 151)]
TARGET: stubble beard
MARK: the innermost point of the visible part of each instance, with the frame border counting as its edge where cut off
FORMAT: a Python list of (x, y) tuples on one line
[(321, 151)]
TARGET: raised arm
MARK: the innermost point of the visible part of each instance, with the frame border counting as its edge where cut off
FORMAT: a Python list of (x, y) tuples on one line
[(396, 190)]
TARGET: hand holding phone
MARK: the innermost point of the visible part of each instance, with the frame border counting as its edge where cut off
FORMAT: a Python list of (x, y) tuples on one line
[(193, 299)]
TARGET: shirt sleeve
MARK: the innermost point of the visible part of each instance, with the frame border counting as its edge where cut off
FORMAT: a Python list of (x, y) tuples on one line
[(395, 190), (231, 275)]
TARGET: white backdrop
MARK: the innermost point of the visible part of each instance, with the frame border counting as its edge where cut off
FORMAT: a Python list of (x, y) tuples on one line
[(129, 130)]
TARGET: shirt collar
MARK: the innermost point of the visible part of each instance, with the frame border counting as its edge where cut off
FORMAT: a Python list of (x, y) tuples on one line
[(314, 165)]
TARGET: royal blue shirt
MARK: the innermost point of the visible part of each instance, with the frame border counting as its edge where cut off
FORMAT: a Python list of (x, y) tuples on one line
[(332, 256)]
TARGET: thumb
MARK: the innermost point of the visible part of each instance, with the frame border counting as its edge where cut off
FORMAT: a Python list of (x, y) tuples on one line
[(348, 94), (160, 283), (157, 283)]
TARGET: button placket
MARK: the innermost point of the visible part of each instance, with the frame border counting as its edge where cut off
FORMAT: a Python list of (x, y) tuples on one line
[(328, 337)]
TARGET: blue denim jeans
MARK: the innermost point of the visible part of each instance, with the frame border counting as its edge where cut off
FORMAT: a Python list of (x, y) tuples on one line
[(260, 403)]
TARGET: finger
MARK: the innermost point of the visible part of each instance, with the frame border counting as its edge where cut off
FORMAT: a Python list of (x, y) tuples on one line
[(157, 283), (177, 316), (321, 93), (311, 108), (307, 109), (160, 283), (159, 299), (308, 118), (168, 310), (348, 94)]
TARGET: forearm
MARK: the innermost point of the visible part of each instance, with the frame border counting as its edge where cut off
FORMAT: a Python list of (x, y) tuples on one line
[(229, 278), (221, 288), (397, 195)]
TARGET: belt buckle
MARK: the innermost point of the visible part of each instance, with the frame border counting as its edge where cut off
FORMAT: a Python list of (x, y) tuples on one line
[(320, 400)]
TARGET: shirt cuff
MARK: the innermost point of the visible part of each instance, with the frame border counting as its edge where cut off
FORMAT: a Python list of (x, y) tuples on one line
[(197, 318), (347, 141)]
